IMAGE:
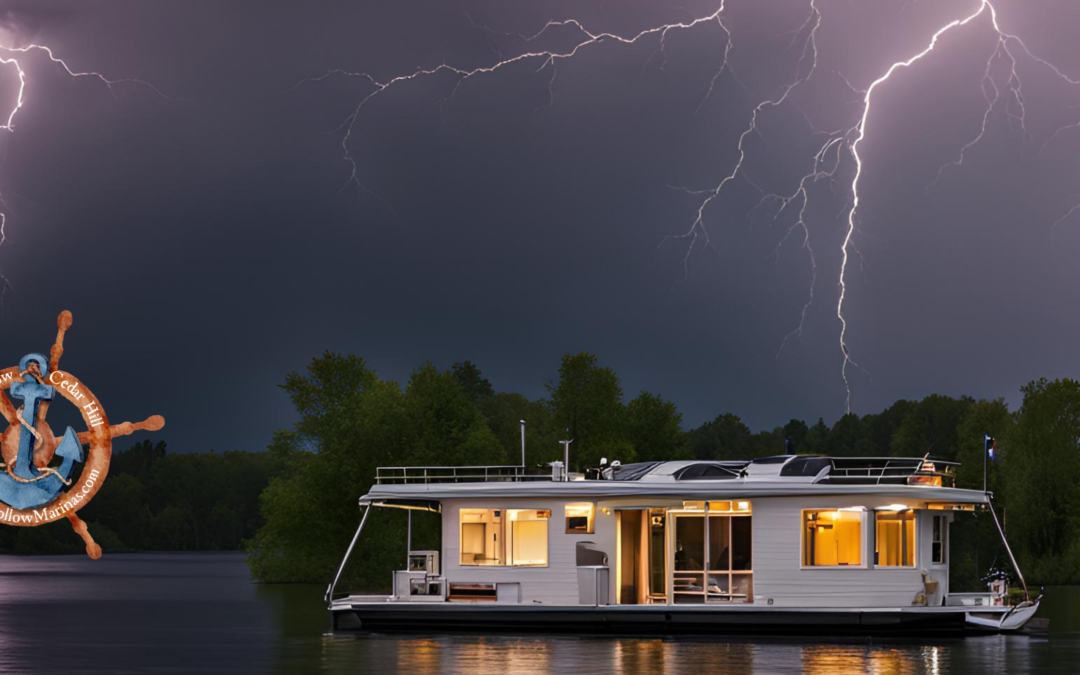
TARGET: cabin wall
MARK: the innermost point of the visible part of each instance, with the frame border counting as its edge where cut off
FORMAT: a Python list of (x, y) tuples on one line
[(777, 561), (777, 554), (556, 584)]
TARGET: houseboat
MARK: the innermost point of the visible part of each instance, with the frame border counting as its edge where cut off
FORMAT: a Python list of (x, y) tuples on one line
[(789, 544)]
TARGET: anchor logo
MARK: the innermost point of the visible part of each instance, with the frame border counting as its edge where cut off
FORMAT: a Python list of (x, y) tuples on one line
[(34, 491)]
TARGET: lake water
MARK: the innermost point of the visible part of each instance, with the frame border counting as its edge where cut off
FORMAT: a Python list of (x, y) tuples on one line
[(182, 613)]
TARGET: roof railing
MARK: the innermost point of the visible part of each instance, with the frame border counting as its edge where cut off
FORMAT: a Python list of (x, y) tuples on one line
[(396, 475), (912, 470)]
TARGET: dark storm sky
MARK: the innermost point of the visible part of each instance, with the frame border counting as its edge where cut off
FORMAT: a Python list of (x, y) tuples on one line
[(205, 249)]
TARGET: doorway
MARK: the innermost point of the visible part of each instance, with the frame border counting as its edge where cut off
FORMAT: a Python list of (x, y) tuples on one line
[(712, 557), (642, 556)]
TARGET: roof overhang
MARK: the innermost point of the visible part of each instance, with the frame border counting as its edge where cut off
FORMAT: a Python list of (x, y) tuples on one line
[(415, 495)]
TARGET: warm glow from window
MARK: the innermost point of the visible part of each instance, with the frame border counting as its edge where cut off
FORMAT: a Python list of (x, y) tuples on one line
[(579, 518), (528, 537), (894, 539), (934, 481), (832, 538), (945, 506), (727, 507), (504, 537), (481, 537)]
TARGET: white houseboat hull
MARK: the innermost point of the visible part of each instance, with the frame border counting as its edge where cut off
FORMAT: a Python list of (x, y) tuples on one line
[(384, 615)]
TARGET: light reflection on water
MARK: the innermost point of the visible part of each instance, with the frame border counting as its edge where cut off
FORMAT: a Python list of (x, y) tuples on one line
[(179, 613), (685, 656)]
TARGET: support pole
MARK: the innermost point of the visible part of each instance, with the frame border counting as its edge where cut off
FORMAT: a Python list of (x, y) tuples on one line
[(523, 445), (566, 458), (330, 589), (408, 539), (1008, 550)]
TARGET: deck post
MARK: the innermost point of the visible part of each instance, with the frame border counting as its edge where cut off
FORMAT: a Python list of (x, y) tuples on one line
[(1012, 558), (408, 538), (329, 597)]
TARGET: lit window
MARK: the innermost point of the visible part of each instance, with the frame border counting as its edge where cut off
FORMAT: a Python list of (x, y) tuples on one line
[(728, 507), (579, 518), (481, 537), (486, 539), (894, 538), (528, 537), (939, 539), (832, 538)]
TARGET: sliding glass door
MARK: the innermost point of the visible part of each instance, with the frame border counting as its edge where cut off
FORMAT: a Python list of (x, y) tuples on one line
[(712, 558)]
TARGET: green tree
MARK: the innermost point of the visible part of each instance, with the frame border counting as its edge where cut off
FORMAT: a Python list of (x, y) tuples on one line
[(725, 437), (587, 401), (845, 435), (504, 412), (472, 382), (350, 423), (1042, 459), (817, 439), (984, 417), (654, 428), (930, 427), (795, 432), (442, 425)]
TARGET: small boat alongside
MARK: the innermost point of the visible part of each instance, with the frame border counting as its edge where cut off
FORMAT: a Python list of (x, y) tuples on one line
[(789, 544)]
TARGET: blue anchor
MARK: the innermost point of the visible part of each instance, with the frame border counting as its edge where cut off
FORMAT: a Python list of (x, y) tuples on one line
[(42, 489)]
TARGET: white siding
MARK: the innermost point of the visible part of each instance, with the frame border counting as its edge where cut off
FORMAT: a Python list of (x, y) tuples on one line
[(778, 572), (555, 584)]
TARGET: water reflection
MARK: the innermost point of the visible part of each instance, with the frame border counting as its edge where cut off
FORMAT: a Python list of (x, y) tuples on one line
[(187, 613), (475, 655)]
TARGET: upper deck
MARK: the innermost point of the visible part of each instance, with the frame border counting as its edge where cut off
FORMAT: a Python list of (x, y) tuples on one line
[(782, 475)]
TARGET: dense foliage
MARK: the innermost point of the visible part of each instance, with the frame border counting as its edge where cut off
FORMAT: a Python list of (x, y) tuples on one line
[(353, 422), (294, 507), (155, 501)]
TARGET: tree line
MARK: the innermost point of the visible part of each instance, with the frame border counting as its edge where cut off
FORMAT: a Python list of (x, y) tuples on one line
[(294, 507), (352, 421), (156, 501)]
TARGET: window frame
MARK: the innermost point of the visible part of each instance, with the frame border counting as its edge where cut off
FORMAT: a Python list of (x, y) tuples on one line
[(861, 510), (943, 541), (509, 541), (505, 545), (500, 532), (914, 539), (590, 527)]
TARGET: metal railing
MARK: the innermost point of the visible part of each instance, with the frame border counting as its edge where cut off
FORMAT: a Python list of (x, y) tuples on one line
[(396, 475), (878, 469)]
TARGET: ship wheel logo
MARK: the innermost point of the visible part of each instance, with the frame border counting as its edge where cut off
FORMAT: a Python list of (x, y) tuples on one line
[(32, 489)]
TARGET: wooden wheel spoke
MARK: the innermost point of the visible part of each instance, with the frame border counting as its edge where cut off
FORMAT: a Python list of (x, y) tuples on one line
[(63, 322), (125, 428)]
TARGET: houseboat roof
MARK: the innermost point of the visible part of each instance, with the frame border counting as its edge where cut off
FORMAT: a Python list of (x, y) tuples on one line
[(919, 478)]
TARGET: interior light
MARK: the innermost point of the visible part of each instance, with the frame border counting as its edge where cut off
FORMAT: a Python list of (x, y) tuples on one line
[(894, 507)]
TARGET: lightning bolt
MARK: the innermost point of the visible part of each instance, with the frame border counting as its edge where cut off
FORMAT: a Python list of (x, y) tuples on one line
[(12, 57), (839, 149), (1003, 50), (547, 59)]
